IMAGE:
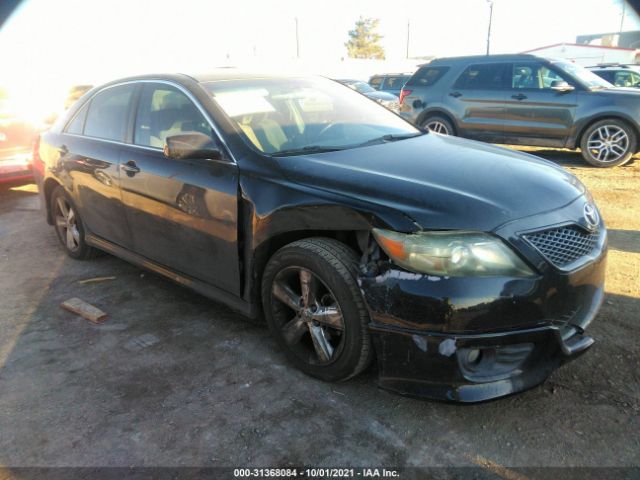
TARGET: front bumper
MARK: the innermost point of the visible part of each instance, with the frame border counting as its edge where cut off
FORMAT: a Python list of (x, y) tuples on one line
[(474, 339)]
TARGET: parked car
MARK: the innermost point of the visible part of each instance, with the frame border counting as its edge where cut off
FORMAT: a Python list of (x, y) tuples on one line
[(618, 74), (386, 99), (16, 144), (525, 100), (389, 82), (467, 270)]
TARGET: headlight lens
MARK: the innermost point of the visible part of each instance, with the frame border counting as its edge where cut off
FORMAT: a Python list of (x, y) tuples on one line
[(454, 254)]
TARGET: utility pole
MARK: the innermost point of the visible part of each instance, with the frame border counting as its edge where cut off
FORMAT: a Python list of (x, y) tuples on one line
[(297, 40), (624, 12), (490, 2), (408, 30)]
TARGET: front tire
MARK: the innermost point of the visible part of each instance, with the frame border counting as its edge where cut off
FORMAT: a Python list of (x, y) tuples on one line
[(608, 143), (315, 310), (69, 226)]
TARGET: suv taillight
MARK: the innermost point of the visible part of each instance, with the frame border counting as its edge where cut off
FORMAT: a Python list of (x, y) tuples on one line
[(404, 93)]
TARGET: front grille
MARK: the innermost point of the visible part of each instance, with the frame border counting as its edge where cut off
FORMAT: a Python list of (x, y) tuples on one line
[(563, 246)]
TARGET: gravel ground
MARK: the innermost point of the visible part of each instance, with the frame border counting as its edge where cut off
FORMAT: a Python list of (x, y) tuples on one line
[(173, 379)]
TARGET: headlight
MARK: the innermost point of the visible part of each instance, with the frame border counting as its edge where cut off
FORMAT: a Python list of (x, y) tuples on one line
[(454, 254)]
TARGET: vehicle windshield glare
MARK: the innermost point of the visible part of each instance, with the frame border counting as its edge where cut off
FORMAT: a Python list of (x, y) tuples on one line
[(587, 77), (361, 87), (305, 115)]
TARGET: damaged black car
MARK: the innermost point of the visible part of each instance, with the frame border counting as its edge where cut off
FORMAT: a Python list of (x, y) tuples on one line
[(466, 271)]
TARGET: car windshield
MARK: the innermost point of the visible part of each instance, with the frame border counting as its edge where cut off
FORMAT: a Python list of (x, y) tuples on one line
[(587, 77), (305, 115), (361, 87)]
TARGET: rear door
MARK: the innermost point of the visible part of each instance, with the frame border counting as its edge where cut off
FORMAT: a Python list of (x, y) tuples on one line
[(89, 152), (182, 213), (477, 99), (536, 114)]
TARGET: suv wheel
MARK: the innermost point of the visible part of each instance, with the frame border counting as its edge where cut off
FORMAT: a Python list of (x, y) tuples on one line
[(608, 143), (439, 125), (315, 310), (69, 227)]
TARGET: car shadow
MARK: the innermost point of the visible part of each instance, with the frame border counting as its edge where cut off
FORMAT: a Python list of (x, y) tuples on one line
[(567, 158), (624, 240)]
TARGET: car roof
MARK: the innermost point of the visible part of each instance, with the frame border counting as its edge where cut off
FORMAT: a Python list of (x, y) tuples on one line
[(486, 59)]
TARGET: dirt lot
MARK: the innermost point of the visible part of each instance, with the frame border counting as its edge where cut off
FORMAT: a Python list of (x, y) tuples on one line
[(173, 379)]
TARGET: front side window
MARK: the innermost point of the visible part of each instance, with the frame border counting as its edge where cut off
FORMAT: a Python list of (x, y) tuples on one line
[(302, 115), (534, 76), (483, 76), (163, 111), (108, 112)]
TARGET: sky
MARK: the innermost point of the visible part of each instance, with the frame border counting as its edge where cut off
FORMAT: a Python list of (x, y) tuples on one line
[(47, 46)]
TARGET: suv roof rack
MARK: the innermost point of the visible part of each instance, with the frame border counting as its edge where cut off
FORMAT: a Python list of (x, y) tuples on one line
[(614, 64)]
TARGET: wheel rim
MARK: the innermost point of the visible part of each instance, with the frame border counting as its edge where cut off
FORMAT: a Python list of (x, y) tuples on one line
[(66, 224), (608, 143), (308, 315), (436, 126)]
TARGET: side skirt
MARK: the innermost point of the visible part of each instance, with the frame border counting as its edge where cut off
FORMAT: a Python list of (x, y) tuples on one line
[(238, 304)]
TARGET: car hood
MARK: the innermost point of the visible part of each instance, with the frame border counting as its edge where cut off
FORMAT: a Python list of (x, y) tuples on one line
[(440, 182), (617, 91), (382, 96)]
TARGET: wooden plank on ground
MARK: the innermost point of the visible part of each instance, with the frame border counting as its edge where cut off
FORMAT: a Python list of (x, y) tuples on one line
[(84, 309)]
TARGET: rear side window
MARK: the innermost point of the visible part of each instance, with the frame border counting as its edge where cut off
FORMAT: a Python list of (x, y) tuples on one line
[(375, 82), (395, 82), (483, 76), (107, 116), (77, 124), (427, 76)]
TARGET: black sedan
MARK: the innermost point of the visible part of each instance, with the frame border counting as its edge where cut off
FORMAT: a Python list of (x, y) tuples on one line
[(468, 271), (389, 100)]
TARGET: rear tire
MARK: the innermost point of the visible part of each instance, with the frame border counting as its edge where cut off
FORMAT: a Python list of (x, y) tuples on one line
[(68, 225), (314, 308), (608, 143), (438, 124)]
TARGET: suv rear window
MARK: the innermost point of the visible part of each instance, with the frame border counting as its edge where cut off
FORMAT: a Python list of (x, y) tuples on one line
[(395, 82), (427, 76), (483, 76)]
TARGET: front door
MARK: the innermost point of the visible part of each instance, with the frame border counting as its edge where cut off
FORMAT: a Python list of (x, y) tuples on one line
[(182, 213), (536, 114)]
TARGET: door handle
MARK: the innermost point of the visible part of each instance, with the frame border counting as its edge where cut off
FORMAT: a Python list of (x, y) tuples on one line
[(455, 94), (131, 168), (520, 96)]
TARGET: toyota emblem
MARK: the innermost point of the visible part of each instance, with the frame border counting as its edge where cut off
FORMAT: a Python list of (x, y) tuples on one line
[(591, 216)]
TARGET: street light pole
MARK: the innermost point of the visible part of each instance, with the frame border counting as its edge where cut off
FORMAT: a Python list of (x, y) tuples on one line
[(490, 2), (408, 27), (624, 12), (297, 40)]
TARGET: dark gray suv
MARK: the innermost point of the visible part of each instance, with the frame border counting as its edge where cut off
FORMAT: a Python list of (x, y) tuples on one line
[(525, 100)]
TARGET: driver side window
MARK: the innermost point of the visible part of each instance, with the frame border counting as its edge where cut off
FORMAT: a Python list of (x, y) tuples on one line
[(534, 76), (164, 111)]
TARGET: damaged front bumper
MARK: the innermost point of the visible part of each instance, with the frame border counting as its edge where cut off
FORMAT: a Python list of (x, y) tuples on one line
[(474, 339)]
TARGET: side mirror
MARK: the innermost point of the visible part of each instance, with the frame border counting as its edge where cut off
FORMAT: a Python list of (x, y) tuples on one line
[(561, 86), (191, 145)]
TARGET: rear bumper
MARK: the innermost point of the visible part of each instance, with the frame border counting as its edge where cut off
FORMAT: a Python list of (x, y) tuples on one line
[(16, 167)]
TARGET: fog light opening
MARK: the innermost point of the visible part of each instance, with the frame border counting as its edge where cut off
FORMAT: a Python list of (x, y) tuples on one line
[(474, 356)]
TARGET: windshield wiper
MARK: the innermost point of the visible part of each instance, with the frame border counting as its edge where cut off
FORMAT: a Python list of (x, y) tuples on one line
[(389, 138), (306, 150)]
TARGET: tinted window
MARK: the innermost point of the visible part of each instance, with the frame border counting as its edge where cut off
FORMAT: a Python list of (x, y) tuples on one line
[(607, 75), (490, 75), (375, 82), (534, 75), (77, 124), (395, 82), (626, 78), (427, 76), (164, 111), (107, 116)]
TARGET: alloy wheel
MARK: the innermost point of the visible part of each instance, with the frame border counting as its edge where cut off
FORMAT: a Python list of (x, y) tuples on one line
[(608, 143), (437, 126), (66, 224), (312, 323)]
